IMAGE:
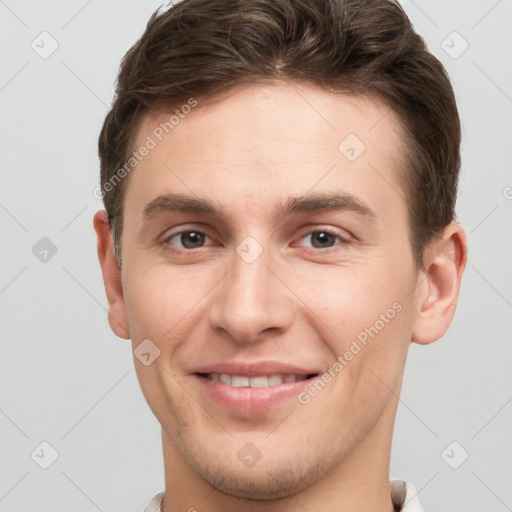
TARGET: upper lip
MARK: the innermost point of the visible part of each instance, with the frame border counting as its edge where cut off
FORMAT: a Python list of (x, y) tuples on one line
[(255, 369)]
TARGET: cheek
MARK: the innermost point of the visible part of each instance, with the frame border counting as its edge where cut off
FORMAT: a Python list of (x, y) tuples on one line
[(364, 318), (348, 300), (158, 300), (161, 302)]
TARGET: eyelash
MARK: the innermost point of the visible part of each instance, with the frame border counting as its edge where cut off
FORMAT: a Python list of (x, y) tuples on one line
[(341, 240), (169, 247)]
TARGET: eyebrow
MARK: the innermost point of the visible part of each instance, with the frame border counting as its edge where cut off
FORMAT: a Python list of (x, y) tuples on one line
[(325, 201), (311, 203)]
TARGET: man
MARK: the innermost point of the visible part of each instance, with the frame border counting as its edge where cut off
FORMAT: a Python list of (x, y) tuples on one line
[(279, 179)]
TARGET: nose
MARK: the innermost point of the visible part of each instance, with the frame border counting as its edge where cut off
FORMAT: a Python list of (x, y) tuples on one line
[(252, 300)]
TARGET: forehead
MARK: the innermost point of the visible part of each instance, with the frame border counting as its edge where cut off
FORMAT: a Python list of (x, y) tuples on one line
[(267, 139), (304, 110)]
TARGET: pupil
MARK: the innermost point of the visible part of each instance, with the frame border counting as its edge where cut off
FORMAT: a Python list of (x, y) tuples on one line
[(191, 240), (322, 238)]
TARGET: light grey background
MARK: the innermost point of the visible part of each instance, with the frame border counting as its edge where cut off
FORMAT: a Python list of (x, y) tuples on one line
[(67, 380)]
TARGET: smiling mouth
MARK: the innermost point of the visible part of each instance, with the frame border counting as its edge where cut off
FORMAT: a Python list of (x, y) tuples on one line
[(260, 381)]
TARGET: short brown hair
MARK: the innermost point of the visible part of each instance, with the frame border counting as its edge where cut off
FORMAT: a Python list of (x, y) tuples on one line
[(199, 47)]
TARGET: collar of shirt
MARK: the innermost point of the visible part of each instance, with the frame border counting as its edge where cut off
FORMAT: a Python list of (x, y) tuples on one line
[(403, 495)]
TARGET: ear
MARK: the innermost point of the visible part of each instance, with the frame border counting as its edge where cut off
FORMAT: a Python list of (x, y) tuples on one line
[(439, 285), (117, 316)]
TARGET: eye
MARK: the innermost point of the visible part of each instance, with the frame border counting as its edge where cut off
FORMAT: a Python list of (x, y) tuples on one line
[(187, 239), (320, 239)]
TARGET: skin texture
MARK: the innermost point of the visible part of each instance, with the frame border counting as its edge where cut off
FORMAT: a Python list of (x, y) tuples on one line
[(249, 149)]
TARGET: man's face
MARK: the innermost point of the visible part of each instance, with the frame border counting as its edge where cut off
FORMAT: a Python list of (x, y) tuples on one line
[(266, 281)]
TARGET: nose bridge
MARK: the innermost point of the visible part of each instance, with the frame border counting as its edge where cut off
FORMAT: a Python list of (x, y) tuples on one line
[(250, 300), (250, 275)]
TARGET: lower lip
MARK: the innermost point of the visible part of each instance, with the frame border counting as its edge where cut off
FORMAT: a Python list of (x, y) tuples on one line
[(251, 401)]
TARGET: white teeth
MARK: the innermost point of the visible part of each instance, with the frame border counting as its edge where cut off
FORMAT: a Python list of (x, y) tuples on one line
[(275, 380), (258, 382), (240, 381)]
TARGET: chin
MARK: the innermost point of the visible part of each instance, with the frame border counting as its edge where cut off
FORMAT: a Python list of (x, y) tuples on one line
[(264, 481)]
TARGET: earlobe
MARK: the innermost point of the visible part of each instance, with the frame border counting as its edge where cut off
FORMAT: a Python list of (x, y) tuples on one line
[(117, 316), (438, 293)]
